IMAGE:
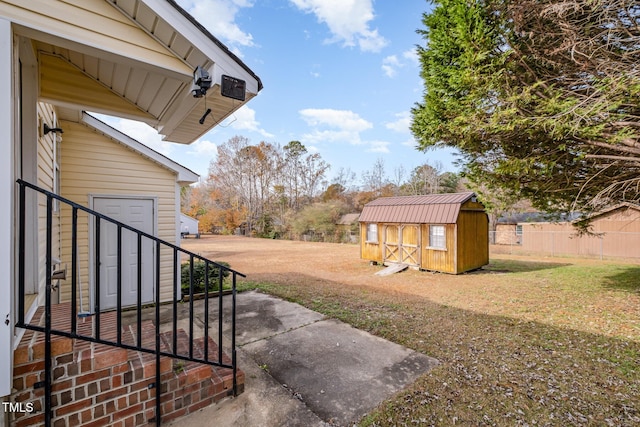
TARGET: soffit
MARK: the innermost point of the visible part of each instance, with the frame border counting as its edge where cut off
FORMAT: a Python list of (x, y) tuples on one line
[(132, 50), (169, 24)]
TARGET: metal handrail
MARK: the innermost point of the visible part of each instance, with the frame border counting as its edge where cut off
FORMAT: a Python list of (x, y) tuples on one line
[(48, 330)]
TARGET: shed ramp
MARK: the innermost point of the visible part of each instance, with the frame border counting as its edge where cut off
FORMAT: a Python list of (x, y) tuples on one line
[(392, 268)]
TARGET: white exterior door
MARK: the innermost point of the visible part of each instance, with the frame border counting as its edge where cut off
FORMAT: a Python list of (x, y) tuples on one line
[(137, 213)]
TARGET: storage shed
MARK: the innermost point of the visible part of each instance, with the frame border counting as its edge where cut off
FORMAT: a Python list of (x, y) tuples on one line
[(189, 226), (448, 233)]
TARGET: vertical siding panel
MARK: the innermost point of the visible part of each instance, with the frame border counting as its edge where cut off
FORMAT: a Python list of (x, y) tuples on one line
[(473, 238), (370, 251), (437, 259)]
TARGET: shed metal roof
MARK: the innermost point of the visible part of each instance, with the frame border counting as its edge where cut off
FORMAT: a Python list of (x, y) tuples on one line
[(427, 209)]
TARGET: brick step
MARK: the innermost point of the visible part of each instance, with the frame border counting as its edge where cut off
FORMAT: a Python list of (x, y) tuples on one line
[(146, 362), (117, 386), (32, 343), (196, 371), (192, 385)]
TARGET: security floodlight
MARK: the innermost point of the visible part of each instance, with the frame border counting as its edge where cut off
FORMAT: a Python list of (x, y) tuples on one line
[(201, 82)]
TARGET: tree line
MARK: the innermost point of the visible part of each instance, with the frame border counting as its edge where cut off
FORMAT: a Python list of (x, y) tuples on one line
[(269, 190), (540, 98)]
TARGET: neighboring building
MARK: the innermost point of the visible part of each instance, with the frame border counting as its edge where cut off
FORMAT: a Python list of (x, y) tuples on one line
[(509, 227), (347, 230), (616, 233), (189, 226), (134, 59), (438, 232)]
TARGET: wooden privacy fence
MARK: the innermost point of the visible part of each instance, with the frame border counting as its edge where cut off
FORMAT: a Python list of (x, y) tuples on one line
[(526, 240)]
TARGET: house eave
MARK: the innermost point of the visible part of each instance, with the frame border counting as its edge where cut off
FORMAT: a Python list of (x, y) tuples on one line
[(144, 53), (181, 122)]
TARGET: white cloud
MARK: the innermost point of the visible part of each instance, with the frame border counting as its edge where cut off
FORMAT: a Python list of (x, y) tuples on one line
[(245, 119), (402, 124), (390, 64), (339, 126), (335, 136), (412, 56), (202, 148), (342, 119), (218, 16), (348, 21), (411, 142), (378, 147)]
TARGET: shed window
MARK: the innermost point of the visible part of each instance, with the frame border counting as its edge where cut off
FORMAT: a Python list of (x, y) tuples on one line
[(437, 237), (518, 230), (372, 233)]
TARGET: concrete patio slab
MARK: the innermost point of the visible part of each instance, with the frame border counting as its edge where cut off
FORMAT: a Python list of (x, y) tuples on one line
[(341, 373), (261, 316), (265, 403), (303, 369)]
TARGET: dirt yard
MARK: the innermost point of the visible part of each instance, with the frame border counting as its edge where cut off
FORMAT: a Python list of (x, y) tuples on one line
[(524, 341), (521, 287)]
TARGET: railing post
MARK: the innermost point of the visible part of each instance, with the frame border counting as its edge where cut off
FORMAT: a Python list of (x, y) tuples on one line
[(47, 315), (97, 279), (206, 310), (139, 292), (74, 270), (119, 288), (220, 317), (174, 336), (234, 362), (157, 306), (21, 254), (191, 306)]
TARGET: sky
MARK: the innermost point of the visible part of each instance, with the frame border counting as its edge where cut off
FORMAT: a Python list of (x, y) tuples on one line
[(340, 76)]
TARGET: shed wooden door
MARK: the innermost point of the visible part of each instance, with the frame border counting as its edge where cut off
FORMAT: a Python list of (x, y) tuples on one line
[(402, 244), (391, 244), (410, 244)]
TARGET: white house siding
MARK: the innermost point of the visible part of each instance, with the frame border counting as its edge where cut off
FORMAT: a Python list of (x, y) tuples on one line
[(189, 224), (45, 168), (93, 164)]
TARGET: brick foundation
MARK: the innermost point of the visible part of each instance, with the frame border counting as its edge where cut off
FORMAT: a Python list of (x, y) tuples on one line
[(98, 385)]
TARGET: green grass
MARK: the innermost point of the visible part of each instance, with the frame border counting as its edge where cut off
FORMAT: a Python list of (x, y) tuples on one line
[(503, 369)]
